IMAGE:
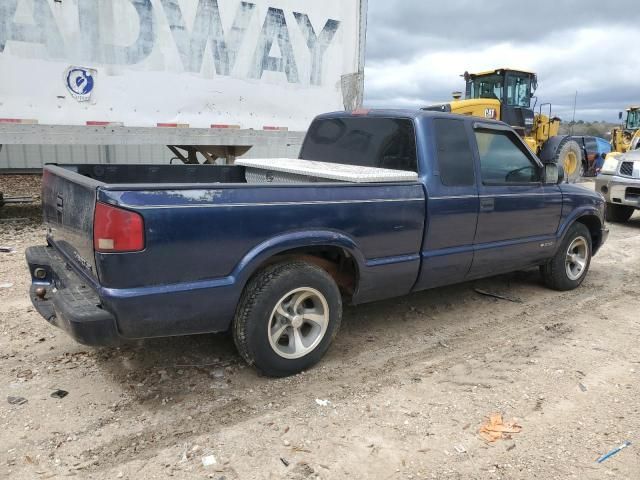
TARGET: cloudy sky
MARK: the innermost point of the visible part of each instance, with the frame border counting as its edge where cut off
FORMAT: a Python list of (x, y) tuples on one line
[(417, 50)]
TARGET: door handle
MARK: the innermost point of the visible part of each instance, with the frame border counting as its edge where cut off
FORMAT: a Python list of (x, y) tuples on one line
[(487, 204)]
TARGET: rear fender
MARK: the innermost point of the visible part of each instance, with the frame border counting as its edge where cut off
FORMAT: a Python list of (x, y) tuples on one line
[(260, 254)]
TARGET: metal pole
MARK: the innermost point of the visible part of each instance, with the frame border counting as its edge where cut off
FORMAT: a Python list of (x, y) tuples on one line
[(575, 103)]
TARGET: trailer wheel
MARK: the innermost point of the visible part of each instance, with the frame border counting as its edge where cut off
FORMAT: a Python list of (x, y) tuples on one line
[(568, 268), (619, 213), (287, 318), (569, 155)]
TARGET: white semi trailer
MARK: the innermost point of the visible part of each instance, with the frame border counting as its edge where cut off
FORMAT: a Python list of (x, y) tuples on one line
[(210, 79)]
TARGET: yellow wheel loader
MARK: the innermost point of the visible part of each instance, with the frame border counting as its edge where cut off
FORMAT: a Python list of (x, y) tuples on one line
[(627, 136), (506, 94)]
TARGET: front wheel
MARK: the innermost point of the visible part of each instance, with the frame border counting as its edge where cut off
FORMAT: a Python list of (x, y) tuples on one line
[(287, 318), (618, 213), (568, 268)]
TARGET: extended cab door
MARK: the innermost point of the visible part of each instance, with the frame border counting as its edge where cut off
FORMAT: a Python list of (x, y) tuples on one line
[(452, 204), (519, 215)]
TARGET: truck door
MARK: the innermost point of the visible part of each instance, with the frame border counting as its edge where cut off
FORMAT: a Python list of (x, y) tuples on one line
[(519, 215), (452, 205)]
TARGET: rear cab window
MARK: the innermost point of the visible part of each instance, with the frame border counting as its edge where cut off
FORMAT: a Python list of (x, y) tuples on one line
[(363, 141)]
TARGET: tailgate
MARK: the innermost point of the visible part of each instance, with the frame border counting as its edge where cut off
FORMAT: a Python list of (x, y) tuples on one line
[(69, 201)]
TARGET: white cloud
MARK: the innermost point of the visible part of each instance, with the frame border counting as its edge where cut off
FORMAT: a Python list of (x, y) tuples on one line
[(591, 60)]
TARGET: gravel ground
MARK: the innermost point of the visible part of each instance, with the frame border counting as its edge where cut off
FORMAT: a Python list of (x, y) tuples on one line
[(408, 383)]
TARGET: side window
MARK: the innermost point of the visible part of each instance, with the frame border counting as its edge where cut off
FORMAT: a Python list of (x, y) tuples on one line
[(503, 161), (455, 158)]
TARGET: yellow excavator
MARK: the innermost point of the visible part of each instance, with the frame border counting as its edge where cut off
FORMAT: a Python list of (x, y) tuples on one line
[(627, 136), (507, 94)]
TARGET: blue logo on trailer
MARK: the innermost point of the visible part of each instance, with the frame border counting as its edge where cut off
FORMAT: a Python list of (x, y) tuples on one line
[(80, 81)]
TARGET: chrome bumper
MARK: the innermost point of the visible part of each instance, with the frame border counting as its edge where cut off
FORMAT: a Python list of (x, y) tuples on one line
[(619, 190)]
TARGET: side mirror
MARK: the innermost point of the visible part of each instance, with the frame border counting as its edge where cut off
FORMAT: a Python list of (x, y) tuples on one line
[(553, 174), (619, 115)]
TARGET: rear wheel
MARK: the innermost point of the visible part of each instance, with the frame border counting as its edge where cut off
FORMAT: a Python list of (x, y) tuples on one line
[(569, 155), (619, 213), (287, 318), (569, 267)]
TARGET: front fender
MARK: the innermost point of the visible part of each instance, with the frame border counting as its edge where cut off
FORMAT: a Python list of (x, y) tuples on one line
[(258, 255), (576, 215)]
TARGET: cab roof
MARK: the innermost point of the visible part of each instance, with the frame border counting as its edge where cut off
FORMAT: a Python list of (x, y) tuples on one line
[(406, 113), (496, 70)]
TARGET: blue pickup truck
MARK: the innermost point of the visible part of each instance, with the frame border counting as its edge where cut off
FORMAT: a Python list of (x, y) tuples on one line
[(139, 251)]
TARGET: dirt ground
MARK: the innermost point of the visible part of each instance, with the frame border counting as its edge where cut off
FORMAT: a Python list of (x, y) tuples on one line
[(408, 382)]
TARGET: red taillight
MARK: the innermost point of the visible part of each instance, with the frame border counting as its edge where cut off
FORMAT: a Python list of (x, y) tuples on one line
[(117, 230)]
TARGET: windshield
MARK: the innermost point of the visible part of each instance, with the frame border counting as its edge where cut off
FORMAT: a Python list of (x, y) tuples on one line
[(518, 90), (489, 86), (633, 119)]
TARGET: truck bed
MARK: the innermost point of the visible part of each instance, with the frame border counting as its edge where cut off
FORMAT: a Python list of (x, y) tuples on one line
[(275, 171), (158, 174), (206, 231)]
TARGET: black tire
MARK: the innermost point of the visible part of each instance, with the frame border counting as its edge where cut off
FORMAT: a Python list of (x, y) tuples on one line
[(555, 273), (569, 155), (619, 213), (262, 295)]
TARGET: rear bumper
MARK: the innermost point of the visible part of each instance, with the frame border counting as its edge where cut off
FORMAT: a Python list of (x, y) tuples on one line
[(99, 316), (67, 302)]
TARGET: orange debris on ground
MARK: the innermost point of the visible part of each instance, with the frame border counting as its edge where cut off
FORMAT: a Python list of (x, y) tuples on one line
[(495, 429)]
